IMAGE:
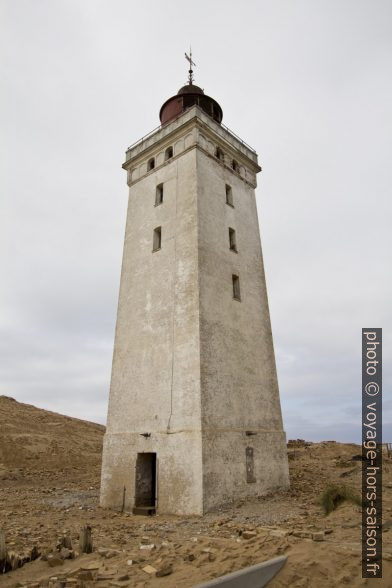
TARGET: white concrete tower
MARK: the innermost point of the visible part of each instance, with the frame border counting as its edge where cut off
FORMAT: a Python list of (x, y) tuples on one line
[(194, 416)]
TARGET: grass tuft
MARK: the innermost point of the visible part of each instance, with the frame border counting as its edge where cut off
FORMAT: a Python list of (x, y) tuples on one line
[(335, 495)]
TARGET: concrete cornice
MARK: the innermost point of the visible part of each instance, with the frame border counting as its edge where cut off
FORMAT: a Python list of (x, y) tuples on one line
[(194, 117)]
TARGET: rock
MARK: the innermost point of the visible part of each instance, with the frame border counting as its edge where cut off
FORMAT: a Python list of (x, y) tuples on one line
[(145, 540), (303, 534), (279, 533), (151, 546), (328, 531), (164, 570), (64, 541), (190, 557), (87, 575), (54, 560), (105, 576), (123, 578), (34, 553), (211, 557), (129, 562), (66, 553), (85, 540), (318, 536), (108, 553), (249, 534), (149, 569), (93, 565)]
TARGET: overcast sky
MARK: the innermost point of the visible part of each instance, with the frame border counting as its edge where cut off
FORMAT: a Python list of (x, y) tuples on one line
[(307, 83)]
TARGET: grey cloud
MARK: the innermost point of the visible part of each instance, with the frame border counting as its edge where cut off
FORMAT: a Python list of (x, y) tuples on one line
[(306, 83)]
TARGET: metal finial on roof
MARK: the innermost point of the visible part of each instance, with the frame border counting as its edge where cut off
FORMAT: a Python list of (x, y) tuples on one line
[(189, 58)]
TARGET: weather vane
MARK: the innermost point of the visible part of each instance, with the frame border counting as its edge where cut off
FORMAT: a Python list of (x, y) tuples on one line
[(189, 58)]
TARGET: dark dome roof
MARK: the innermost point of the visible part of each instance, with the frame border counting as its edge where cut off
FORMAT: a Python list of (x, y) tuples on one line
[(190, 89), (186, 97)]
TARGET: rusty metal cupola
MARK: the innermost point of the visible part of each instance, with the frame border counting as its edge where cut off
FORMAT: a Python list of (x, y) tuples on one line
[(188, 96)]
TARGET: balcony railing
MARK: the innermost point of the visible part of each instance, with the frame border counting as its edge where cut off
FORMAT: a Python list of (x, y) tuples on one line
[(160, 127)]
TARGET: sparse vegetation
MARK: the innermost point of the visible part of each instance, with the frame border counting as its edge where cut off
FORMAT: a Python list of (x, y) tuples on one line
[(335, 495)]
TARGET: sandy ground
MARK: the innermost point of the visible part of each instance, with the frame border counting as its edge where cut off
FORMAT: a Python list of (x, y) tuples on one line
[(49, 485)]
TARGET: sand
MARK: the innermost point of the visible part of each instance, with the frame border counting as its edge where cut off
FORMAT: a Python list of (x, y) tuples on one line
[(49, 485)]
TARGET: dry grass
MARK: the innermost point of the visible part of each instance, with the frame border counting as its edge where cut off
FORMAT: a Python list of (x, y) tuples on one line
[(334, 495)]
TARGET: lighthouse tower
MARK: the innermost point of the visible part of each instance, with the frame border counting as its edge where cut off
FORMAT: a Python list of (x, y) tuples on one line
[(194, 419)]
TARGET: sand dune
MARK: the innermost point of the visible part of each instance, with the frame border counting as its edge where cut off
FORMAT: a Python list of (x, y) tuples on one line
[(49, 485)]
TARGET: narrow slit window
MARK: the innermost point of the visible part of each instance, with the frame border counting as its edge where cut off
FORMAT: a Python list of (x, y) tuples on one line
[(232, 240), (219, 154), (157, 239), (159, 195), (250, 465), (229, 195), (236, 287), (150, 164), (235, 166), (168, 153)]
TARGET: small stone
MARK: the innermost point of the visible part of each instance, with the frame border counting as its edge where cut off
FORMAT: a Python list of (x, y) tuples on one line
[(94, 565), (211, 557), (149, 569), (151, 546), (249, 534), (129, 562), (279, 533), (54, 560), (112, 553), (164, 570), (66, 553), (108, 553), (303, 534), (145, 540), (105, 576), (86, 575), (318, 536)]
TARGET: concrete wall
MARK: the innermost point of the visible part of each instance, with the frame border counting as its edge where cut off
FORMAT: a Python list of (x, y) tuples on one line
[(155, 385), (179, 487), (238, 375), (193, 368)]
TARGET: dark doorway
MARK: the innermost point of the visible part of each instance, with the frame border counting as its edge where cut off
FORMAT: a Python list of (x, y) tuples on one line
[(145, 483)]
